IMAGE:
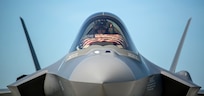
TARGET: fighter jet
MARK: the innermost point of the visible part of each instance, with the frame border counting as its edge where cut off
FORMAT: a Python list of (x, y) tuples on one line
[(103, 61)]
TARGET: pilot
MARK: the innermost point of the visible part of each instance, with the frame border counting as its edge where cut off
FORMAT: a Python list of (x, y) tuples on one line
[(101, 30), (101, 26), (98, 27), (112, 29)]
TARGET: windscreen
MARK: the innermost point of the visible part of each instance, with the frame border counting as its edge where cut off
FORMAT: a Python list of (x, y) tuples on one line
[(102, 32), (103, 29)]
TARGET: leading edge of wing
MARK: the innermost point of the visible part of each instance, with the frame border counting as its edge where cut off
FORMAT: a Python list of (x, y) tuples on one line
[(5, 92)]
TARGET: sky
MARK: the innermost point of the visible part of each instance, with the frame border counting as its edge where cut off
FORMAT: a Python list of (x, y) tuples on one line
[(155, 27)]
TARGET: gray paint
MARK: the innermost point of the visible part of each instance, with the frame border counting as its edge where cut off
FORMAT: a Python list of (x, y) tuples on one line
[(103, 71)]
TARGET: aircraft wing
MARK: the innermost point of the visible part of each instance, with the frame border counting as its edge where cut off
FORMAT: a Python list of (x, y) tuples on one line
[(201, 93), (5, 92)]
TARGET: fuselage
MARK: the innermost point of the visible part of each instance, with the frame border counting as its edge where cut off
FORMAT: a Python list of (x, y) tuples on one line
[(103, 53)]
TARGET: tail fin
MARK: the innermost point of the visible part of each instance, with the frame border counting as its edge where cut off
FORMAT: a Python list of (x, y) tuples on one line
[(176, 57), (35, 60)]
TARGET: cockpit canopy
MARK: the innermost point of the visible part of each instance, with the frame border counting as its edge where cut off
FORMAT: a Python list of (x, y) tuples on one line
[(103, 26), (103, 29), (102, 32)]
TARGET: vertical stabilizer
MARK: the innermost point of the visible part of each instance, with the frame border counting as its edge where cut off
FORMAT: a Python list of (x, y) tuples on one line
[(35, 60), (176, 57)]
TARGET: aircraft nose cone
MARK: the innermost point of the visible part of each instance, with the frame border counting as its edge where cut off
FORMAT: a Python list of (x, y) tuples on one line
[(102, 68)]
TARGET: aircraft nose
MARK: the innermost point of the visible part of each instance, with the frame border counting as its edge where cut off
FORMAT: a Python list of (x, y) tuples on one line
[(102, 67)]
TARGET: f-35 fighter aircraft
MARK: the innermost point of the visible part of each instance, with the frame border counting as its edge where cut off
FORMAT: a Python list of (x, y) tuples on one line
[(103, 61)]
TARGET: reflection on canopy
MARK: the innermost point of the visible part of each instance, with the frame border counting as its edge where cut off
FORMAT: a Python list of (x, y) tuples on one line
[(102, 32)]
